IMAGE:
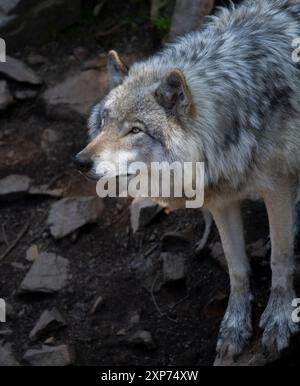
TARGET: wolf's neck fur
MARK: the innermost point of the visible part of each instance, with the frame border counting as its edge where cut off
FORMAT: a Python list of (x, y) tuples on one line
[(237, 79)]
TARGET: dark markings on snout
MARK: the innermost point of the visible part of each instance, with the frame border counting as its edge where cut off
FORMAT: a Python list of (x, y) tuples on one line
[(83, 162)]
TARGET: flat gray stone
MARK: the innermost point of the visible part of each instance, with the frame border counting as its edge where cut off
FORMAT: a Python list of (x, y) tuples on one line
[(72, 213), (7, 357), (50, 356), (9, 6), (49, 137), (142, 212), (14, 186), (29, 18), (6, 98), (50, 320), (189, 15), (173, 266), (141, 338), (5, 333), (77, 94), (18, 71), (25, 94), (32, 253), (36, 60), (48, 274)]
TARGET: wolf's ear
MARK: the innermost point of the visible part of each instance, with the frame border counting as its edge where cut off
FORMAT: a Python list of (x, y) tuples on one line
[(173, 93), (117, 69)]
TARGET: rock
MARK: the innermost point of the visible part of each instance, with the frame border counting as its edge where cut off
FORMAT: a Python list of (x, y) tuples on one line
[(6, 99), (49, 137), (189, 15), (173, 241), (217, 254), (32, 253), (48, 274), (18, 71), (43, 191), (121, 332), (18, 266), (134, 319), (10, 312), (50, 341), (30, 22), (142, 212), (173, 267), (14, 186), (50, 356), (8, 6), (259, 248), (25, 94), (70, 214), (48, 322), (76, 94), (141, 338), (7, 357), (5, 333), (97, 304), (143, 267), (36, 60), (98, 8)]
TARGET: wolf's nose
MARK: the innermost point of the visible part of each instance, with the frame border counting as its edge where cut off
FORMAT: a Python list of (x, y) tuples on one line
[(83, 163)]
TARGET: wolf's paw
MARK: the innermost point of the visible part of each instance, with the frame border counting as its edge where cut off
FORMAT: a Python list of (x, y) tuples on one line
[(233, 339), (236, 328), (276, 321)]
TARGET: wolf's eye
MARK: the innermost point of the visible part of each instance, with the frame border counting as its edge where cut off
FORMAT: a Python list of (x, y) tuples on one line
[(135, 130)]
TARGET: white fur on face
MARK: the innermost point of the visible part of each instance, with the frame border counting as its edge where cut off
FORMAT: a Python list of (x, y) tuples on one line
[(114, 163)]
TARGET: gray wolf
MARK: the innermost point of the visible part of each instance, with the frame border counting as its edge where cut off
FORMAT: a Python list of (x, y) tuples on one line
[(228, 95)]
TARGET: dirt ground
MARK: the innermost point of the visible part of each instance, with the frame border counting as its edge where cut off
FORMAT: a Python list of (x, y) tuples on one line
[(107, 259)]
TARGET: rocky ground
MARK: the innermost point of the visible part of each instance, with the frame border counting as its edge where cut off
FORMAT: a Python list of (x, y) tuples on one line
[(90, 281)]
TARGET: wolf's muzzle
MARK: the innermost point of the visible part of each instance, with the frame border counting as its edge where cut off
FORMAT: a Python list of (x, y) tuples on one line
[(83, 162)]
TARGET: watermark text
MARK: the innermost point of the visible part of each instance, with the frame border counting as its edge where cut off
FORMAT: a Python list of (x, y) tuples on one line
[(2, 311), (2, 51)]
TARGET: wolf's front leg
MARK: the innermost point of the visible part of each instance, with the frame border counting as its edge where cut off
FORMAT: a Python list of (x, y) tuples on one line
[(277, 317), (236, 328)]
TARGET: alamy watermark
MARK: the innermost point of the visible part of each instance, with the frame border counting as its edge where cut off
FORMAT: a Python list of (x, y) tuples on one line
[(296, 52), (296, 312), (160, 180), (2, 311), (2, 51)]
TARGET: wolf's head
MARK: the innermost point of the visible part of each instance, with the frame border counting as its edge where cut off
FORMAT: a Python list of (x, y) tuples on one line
[(144, 118)]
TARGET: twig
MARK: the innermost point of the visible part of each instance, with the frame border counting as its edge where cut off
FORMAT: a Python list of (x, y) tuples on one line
[(156, 305), (42, 228), (99, 7), (150, 250), (179, 302), (110, 31), (55, 179), (14, 244)]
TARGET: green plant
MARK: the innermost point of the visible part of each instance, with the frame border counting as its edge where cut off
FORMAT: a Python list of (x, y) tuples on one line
[(162, 25)]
